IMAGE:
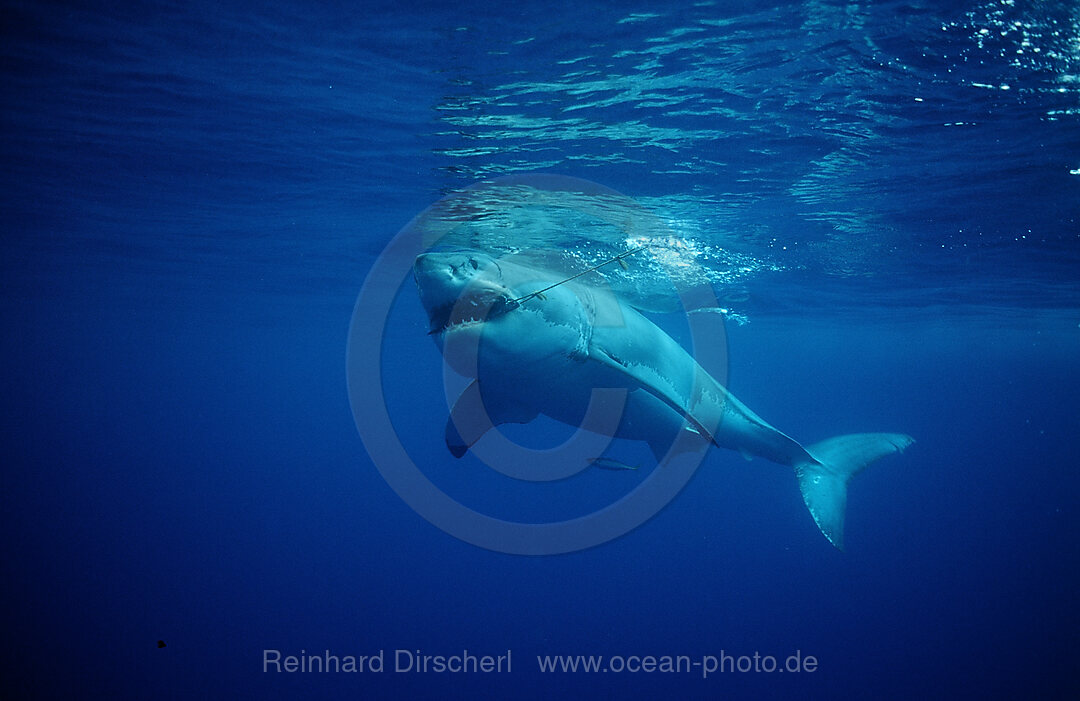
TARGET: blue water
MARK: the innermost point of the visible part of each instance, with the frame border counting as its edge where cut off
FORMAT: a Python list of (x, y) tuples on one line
[(885, 197)]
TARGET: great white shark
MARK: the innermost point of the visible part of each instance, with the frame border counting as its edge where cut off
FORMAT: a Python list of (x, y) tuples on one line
[(541, 345)]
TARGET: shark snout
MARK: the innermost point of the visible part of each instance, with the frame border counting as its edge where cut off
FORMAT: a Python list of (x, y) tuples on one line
[(459, 287), (459, 266), (441, 277), (426, 263), (452, 272)]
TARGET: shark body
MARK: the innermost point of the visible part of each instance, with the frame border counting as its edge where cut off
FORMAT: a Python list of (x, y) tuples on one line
[(544, 353)]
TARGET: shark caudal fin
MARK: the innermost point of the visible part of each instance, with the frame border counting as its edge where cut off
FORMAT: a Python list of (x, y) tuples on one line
[(824, 482)]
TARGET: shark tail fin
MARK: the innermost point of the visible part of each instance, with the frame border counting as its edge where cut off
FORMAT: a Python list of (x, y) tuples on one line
[(824, 480)]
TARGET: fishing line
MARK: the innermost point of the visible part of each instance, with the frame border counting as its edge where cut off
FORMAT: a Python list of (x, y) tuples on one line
[(515, 303)]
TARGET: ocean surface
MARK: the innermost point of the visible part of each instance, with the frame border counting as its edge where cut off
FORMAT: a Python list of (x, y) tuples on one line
[(884, 198)]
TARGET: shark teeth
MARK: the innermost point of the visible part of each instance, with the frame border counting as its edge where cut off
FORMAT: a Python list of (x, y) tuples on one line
[(457, 323), (468, 312)]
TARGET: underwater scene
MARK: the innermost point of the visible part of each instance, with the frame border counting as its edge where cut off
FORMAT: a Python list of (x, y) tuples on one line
[(563, 350)]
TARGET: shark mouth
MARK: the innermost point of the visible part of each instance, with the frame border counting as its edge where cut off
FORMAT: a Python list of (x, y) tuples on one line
[(469, 312)]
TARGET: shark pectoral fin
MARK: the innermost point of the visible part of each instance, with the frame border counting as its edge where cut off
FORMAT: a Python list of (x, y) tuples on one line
[(824, 480), (471, 417), (464, 425), (639, 378), (458, 446)]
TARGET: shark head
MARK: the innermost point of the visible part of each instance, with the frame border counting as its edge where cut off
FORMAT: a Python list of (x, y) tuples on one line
[(461, 291), (487, 315)]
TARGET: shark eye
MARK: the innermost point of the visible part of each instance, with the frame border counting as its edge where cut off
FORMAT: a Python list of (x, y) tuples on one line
[(472, 262)]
